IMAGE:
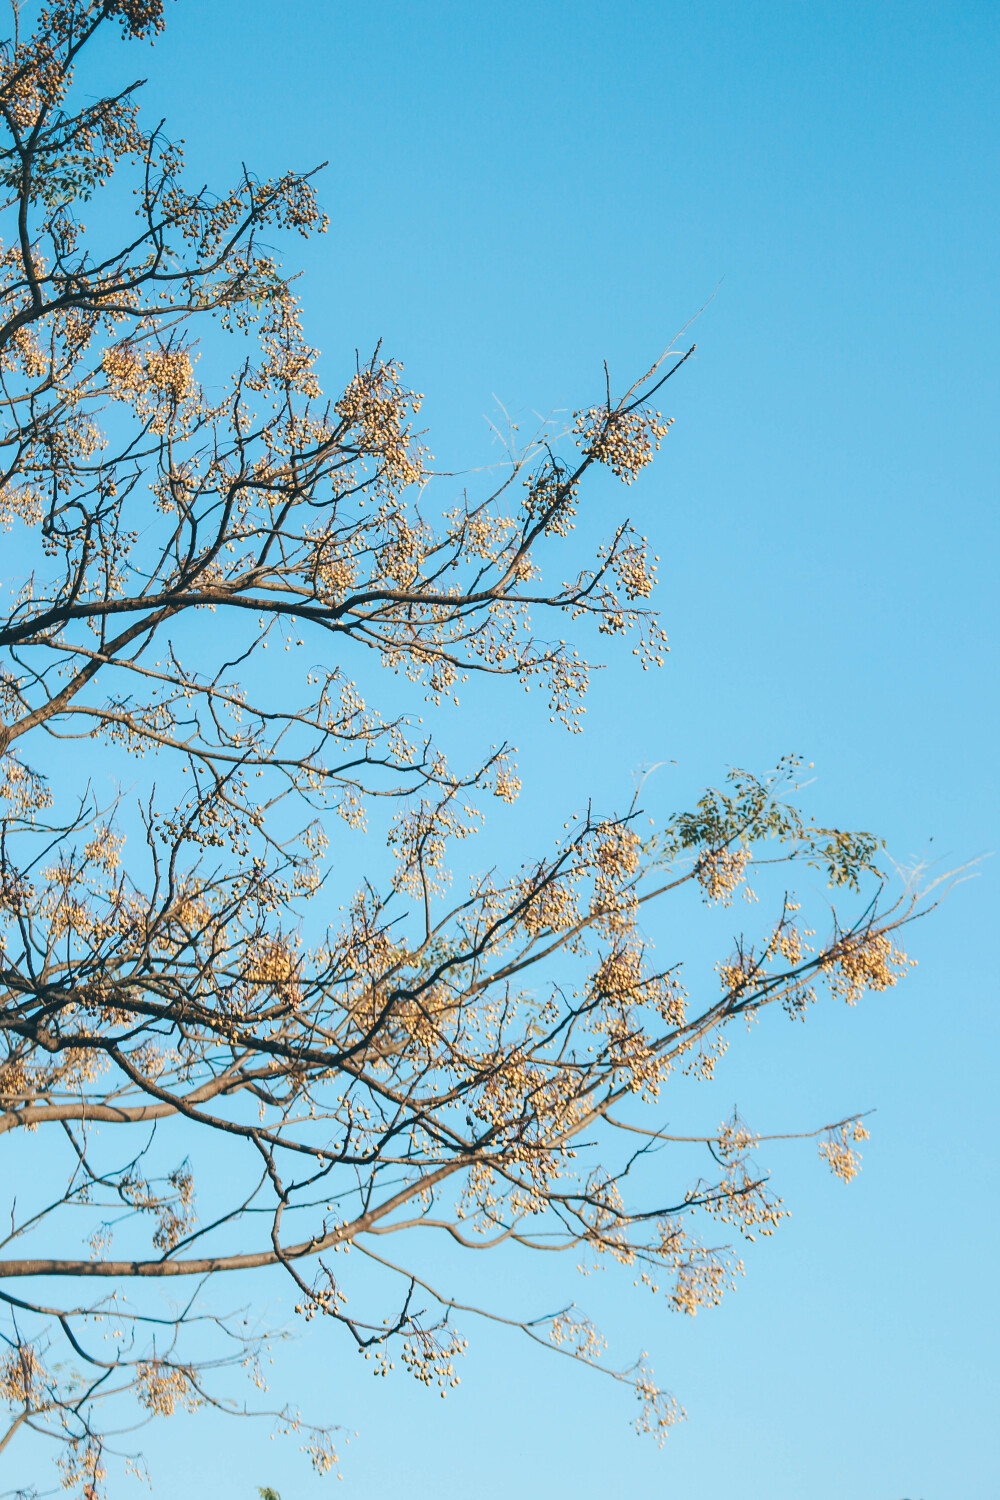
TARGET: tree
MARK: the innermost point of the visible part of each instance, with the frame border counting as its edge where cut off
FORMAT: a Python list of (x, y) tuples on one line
[(478, 1062)]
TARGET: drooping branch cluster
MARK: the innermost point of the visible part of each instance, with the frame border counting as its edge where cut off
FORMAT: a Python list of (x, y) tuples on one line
[(477, 1071), (479, 1065)]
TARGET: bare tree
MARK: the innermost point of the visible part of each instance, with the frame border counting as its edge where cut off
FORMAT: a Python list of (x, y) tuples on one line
[(477, 1063)]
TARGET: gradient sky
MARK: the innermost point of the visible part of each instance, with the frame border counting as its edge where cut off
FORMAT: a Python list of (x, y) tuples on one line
[(518, 192)]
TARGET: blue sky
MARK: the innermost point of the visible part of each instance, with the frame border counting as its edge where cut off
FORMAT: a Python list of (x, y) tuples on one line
[(517, 193)]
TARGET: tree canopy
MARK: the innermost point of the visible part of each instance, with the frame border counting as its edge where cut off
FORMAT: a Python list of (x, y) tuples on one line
[(205, 1067)]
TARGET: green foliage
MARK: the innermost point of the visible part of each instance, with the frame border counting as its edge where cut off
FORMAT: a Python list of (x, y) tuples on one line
[(751, 812)]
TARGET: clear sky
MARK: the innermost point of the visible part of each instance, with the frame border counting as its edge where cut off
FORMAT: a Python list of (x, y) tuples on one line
[(518, 192)]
